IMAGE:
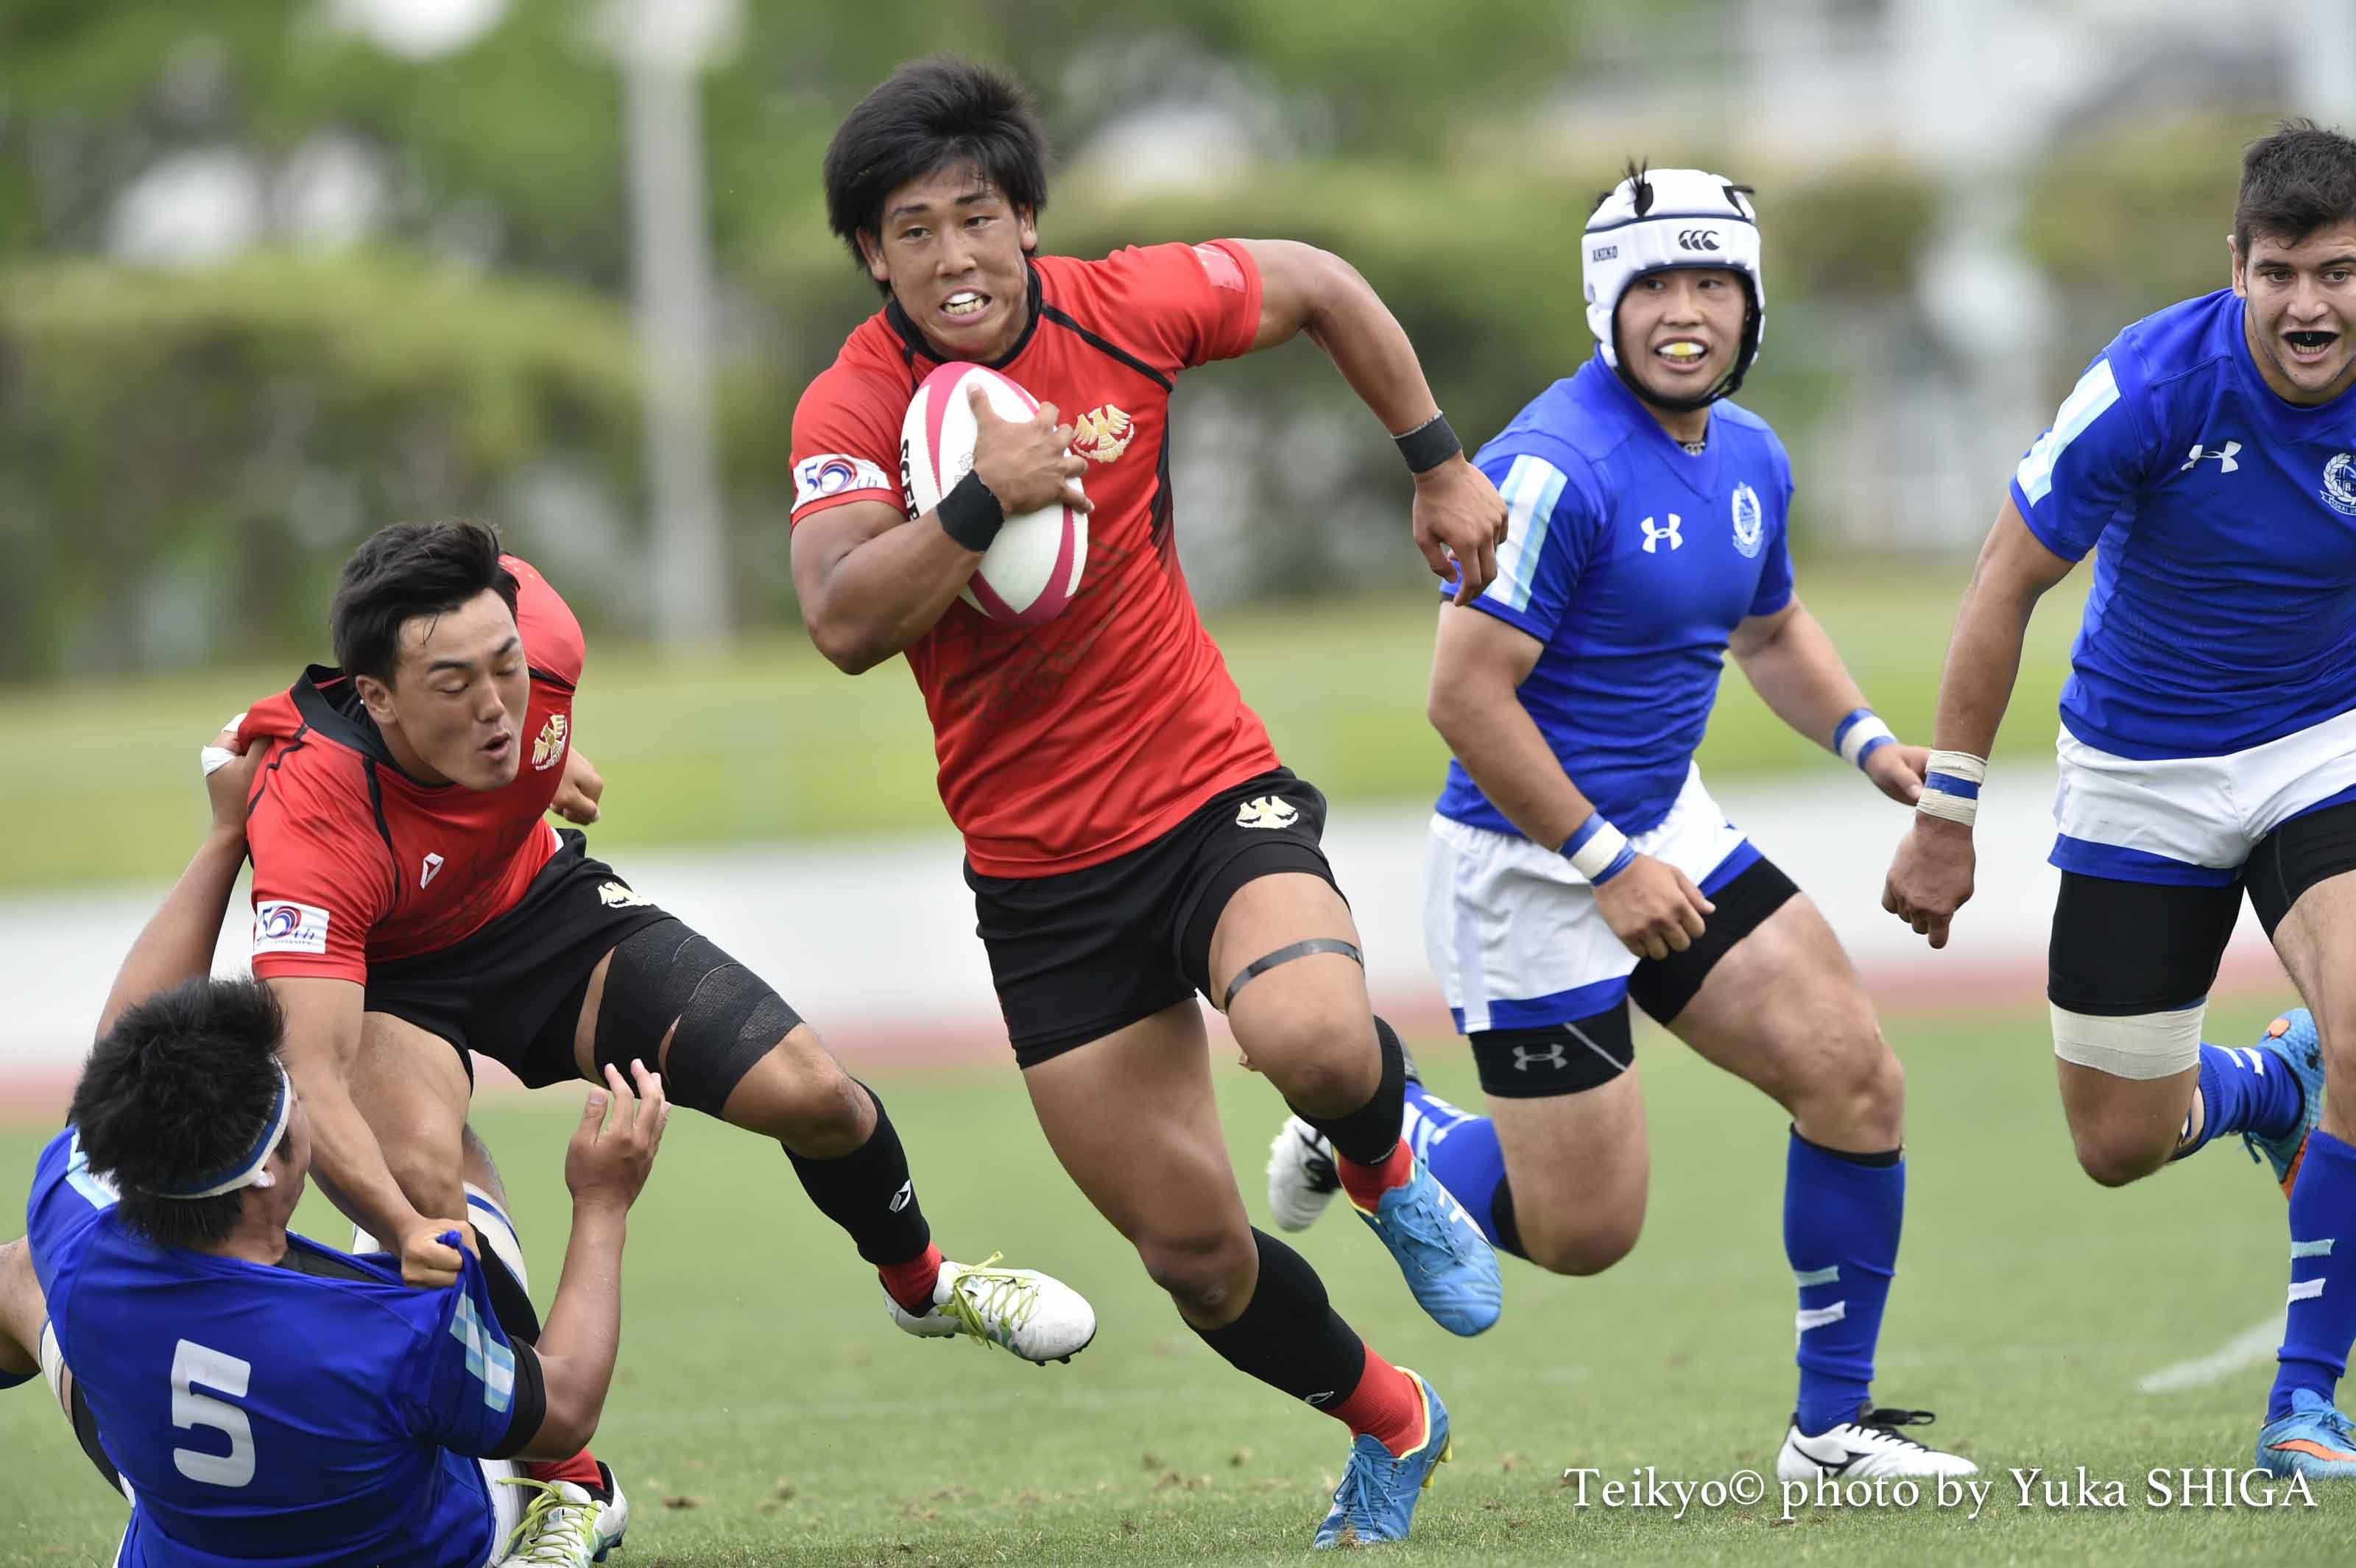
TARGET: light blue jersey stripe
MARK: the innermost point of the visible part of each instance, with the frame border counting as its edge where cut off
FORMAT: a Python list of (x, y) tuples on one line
[(2097, 390), (1532, 487)]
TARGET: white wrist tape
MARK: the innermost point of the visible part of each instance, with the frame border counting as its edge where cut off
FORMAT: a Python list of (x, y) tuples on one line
[(213, 758), (1859, 733), (1598, 851), (1951, 786)]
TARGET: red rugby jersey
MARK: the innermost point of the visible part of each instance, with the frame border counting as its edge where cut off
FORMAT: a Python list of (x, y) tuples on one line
[(354, 861), (1065, 744)]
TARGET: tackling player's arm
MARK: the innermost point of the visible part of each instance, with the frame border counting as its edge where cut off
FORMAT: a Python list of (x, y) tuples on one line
[(1458, 518), (871, 581), (1790, 663), (1931, 876), (606, 1167), (1477, 668)]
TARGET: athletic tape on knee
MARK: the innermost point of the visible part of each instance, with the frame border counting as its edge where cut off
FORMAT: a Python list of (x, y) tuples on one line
[(721, 1018), (1560, 1059), (2143, 1046), (1258, 967)]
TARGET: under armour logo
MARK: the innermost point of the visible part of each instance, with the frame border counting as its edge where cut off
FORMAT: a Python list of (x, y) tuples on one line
[(905, 1196), (2224, 456), (1655, 535), (1552, 1056)]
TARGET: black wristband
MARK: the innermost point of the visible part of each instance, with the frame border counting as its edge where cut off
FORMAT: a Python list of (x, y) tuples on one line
[(971, 514), (1428, 444)]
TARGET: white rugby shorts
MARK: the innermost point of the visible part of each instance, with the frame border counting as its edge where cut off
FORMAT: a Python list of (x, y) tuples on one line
[(1513, 932), (2191, 821)]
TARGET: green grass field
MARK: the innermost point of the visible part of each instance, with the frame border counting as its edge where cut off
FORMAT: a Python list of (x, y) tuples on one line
[(766, 1413), (772, 741)]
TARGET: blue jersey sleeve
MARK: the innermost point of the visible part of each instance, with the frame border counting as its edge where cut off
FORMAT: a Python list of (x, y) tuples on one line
[(459, 1386), (64, 1207), (2083, 473), (1775, 568), (1552, 516)]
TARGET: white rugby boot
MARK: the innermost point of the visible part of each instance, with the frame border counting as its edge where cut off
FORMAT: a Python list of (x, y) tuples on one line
[(1037, 1316), (1868, 1445), (565, 1524), (1301, 1176)]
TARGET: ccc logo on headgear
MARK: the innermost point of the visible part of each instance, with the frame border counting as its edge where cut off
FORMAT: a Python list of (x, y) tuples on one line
[(1697, 240)]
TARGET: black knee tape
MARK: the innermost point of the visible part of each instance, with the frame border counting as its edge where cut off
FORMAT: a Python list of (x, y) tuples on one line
[(721, 1016), (1258, 967), (1561, 1058)]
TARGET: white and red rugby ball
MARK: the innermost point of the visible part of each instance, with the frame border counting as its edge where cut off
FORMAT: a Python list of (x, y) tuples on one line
[(1033, 568)]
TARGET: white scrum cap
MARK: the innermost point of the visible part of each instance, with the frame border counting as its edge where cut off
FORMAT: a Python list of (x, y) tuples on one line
[(1671, 217)]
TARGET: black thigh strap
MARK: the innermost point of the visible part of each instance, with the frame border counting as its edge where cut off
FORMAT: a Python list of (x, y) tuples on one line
[(1259, 966)]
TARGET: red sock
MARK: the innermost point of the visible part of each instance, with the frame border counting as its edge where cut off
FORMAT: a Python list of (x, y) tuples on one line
[(911, 1282), (581, 1470), (1365, 1184), (1387, 1405)]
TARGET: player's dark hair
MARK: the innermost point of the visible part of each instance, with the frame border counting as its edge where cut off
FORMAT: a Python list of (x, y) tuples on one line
[(2298, 180), (177, 1089), (931, 114), (403, 572)]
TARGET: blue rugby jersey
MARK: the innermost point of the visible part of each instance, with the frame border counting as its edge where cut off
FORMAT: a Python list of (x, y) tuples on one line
[(264, 1415), (2223, 521), (1631, 560)]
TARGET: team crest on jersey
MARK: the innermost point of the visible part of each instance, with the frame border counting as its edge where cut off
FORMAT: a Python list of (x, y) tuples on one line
[(549, 750), (1102, 433), (1269, 811), (1748, 533), (2340, 483)]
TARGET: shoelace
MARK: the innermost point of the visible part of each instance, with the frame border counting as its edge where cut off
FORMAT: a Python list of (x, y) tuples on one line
[(1318, 1166), (1887, 1422), (1005, 1294), (1427, 1225), (559, 1529), (1363, 1484)]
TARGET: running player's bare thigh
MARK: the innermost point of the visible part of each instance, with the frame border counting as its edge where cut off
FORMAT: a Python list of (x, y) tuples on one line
[(1580, 1170), (410, 1087), (1784, 1010), (1305, 1023), (1134, 1122), (2317, 941)]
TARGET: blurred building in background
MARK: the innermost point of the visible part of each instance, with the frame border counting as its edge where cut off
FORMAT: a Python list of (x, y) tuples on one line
[(276, 271)]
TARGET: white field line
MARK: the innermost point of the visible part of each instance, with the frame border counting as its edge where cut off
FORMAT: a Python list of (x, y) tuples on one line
[(2247, 1349)]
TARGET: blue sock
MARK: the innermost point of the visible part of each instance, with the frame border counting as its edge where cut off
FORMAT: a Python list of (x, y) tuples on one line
[(1842, 1214), (2322, 1320), (1462, 1150), (2245, 1091)]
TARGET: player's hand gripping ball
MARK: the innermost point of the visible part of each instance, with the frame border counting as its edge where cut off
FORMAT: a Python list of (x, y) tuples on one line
[(966, 419)]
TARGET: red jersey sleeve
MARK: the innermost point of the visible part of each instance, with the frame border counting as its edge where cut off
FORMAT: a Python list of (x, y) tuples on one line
[(1189, 304), (322, 876), (552, 643), (847, 439)]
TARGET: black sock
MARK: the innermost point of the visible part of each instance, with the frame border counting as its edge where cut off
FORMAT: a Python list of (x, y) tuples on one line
[(1367, 1134), (868, 1193), (1500, 1214), (1290, 1336)]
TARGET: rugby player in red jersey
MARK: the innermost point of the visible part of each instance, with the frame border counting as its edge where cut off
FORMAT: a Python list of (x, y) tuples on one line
[(413, 901), (1130, 837)]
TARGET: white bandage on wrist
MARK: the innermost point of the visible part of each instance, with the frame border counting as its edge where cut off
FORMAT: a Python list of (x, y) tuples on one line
[(1951, 786), (1858, 735), (1598, 851), (213, 758)]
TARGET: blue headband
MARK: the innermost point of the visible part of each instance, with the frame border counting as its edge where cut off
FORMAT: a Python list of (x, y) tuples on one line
[(247, 1170)]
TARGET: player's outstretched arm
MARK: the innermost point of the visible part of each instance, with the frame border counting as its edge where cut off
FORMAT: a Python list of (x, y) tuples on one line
[(605, 1166), (1477, 665), (1459, 520), (1931, 875), (871, 581), (177, 941), (1791, 662)]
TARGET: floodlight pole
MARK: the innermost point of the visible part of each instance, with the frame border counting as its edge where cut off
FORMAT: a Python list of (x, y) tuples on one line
[(671, 255)]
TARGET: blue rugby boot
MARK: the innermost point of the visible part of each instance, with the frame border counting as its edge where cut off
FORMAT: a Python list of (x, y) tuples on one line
[(1448, 1263), (1376, 1499), (2314, 1440), (2293, 1039)]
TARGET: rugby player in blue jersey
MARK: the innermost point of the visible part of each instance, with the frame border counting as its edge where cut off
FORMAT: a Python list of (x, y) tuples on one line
[(1576, 861), (260, 1398), (2208, 739)]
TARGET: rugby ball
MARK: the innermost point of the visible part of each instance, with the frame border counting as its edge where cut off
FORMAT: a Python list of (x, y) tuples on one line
[(1033, 568)]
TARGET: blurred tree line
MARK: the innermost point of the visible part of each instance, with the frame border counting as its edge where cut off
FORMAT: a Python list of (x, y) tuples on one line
[(430, 312)]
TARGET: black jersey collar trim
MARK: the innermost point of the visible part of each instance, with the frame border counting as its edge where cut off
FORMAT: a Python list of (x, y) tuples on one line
[(340, 716), (915, 346)]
